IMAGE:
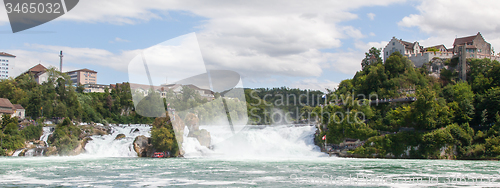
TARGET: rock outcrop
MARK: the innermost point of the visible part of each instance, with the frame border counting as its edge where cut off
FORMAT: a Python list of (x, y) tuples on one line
[(178, 126), (143, 146), (91, 130), (134, 130), (203, 136), (50, 151), (80, 148), (119, 136)]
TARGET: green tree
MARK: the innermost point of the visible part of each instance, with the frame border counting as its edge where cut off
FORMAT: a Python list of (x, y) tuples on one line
[(461, 100), (163, 136), (429, 112), (372, 57), (396, 64)]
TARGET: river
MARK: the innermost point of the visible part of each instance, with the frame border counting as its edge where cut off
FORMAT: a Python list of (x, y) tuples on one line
[(269, 157)]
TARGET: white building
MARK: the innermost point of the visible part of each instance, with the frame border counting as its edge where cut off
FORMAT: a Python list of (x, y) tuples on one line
[(477, 47), (176, 89), (19, 111), (401, 46), (95, 88), (6, 64), (39, 72)]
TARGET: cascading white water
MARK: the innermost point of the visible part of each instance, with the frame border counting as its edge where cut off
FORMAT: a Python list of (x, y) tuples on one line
[(192, 147), (262, 142), (108, 146), (17, 152), (47, 131), (39, 150)]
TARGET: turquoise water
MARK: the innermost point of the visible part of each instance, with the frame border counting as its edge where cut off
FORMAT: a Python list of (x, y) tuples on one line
[(87, 171)]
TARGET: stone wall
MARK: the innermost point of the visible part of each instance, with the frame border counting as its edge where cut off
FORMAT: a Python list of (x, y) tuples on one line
[(420, 58)]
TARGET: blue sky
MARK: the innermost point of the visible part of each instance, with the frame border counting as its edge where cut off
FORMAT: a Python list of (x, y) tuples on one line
[(271, 44)]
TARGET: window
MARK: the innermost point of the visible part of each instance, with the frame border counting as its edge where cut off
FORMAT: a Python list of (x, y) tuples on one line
[(393, 43), (6, 60)]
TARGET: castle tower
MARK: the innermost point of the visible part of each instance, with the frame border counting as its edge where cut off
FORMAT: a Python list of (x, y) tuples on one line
[(463, 63)]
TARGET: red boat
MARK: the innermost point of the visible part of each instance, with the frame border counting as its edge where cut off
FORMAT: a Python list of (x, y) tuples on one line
[(159, 155)]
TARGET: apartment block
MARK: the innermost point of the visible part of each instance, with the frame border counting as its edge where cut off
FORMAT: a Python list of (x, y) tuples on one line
[(6, 64), (83, 76)]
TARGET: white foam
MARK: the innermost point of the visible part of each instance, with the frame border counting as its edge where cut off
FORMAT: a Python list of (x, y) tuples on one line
[(107, 146), (277, 142), (47, 131)]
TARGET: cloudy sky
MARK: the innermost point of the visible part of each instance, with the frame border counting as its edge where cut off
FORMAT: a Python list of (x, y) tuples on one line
[(270, 43)]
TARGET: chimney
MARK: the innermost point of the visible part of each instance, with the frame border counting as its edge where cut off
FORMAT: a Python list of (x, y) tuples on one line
[(60, 65)]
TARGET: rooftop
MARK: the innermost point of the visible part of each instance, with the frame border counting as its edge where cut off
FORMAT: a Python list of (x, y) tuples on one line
[(463, 40), (5, 105), (407, 44), (83, 70), (36, 69), (18, 106), (437, 47), (6, 54)]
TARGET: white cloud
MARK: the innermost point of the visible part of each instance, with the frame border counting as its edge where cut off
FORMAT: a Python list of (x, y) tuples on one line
[(445, 19), (4, 19), (366, 46), (131, 11), (254, 38), (257, 39), (117, 39), (314, 84), (371, 16)]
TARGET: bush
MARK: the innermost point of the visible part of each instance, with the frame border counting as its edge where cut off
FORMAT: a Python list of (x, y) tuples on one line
[(32, 132), (65, 137), (13, 142), (66, 144), (2, 152), (163, 136)]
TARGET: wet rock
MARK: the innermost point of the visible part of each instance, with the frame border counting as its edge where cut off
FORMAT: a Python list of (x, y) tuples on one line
[(93, 129), (143, 146), (119, 136), (33, 152), (80, 148), (178, 126), (39, 143), (136, 130), (50, 151), (204, 138), (29, 145), (192, 122)]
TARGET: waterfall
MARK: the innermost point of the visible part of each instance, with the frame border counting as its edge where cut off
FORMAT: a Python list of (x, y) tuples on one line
[(47, 131), (39, 150), (257, 142), (17, 152), (108, 146), (192, 147)]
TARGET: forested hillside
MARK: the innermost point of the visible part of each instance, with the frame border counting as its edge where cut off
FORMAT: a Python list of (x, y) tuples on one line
[(449, 118)]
